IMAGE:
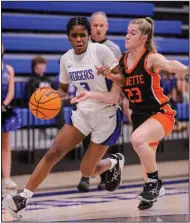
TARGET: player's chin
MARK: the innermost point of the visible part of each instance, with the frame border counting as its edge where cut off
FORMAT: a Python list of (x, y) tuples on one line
[(80, 50)]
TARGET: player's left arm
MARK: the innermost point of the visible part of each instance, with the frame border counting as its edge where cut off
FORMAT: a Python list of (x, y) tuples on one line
[(159, 62), (111, 97)]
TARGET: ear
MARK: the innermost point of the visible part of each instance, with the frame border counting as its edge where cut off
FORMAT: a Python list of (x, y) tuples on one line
[(107, 26), (144, 38)]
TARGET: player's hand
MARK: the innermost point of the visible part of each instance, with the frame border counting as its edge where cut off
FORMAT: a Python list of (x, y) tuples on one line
[(105, 71), (81, 96)]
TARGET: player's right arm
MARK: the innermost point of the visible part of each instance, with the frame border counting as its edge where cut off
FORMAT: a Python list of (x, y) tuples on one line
[(63, 89)]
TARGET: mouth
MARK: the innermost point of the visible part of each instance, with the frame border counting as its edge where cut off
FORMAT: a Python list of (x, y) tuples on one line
[(79, 46)]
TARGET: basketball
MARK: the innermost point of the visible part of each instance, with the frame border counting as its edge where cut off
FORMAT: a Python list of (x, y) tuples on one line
[(45, 103)]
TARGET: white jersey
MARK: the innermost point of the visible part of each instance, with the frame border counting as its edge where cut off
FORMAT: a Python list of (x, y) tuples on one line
[(80, 70)]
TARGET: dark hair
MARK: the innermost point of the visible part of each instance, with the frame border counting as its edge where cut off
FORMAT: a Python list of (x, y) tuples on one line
[(37, 60), (75, 21)]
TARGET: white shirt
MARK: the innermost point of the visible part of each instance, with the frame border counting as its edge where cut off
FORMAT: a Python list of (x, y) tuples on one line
[(80, 70)]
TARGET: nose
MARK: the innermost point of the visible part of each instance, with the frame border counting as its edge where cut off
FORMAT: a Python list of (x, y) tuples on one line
[(98, 28), (127, 36), (78, 39)]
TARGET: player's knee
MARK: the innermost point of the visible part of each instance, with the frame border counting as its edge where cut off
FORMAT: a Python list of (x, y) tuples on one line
[(55, 153), (137, 141)]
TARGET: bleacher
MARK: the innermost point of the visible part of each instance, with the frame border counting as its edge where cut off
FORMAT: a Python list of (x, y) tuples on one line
[(30, 28)]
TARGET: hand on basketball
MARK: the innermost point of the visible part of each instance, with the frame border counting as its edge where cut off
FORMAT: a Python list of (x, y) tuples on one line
[(105, 71), (81, 96)]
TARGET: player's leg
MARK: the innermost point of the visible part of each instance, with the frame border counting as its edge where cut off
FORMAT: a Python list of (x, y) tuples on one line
[(83, 185), (93, 165), (143, 205), (6, 161), (67, 138), (152, 130)]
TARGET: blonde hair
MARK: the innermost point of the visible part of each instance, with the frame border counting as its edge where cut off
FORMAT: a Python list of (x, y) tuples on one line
[(146, 26)]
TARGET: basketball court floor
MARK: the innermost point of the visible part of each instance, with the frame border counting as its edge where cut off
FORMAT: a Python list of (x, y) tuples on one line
[(66, 204)]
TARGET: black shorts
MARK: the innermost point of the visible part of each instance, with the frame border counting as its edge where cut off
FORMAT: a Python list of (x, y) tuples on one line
[(139, 119)]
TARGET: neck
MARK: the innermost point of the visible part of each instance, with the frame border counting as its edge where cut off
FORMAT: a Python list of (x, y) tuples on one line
[(99, 40), (135, 52)]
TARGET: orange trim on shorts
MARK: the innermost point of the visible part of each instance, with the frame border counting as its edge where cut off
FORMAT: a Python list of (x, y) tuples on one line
[(153, 144), (166, 120)]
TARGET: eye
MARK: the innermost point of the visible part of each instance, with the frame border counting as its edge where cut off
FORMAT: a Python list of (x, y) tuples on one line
[(82, 35), (74, 35)]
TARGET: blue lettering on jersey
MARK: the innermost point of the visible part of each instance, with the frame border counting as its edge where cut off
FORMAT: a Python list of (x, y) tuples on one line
[(81, 75)]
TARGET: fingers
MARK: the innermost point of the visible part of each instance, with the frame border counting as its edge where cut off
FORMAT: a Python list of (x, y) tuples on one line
[(74, 100), (77, 99), (105, 70), (81, 96)]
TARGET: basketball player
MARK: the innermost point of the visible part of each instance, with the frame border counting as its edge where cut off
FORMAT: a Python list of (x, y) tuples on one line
[(11, 121), (152, 117), (100, 117), (99, 28)]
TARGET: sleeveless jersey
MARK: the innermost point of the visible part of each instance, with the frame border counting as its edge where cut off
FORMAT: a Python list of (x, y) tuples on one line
[(142, 87), (80, 70)]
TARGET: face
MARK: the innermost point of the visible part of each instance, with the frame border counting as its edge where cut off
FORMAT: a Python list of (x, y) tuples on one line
[(78, 36), (40, 69), (134, 38), (99, 28)]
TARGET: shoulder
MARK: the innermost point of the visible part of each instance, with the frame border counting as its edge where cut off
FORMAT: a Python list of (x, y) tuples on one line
[(153, 56), (66, 56), (113, 45), (98, 45), (10, 69)]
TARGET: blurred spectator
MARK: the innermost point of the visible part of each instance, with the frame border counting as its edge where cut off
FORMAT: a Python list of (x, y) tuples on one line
[(177, 89), (168, 83), (183, 88), (37, 78), (11, 121)]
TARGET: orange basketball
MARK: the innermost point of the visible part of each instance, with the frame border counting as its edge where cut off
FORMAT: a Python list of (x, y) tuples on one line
[(45, 103)]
